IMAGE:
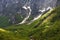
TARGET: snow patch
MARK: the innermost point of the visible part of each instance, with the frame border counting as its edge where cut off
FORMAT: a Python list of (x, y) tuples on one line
[(26, 8), (43, 10)]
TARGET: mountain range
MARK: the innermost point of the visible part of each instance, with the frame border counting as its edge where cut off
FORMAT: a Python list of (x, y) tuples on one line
[(24, 11)]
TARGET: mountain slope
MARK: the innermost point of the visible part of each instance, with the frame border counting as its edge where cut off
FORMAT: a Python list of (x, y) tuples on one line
[(47, 27), (18, 10)]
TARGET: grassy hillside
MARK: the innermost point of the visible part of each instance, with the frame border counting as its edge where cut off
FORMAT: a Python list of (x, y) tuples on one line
[(47, 27), (7, 20)]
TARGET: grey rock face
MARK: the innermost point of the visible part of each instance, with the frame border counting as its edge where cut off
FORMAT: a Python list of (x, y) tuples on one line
[(58, 3), (11, 8)]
